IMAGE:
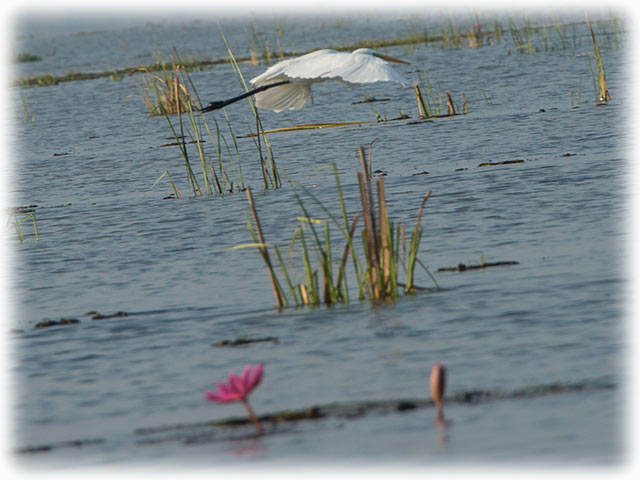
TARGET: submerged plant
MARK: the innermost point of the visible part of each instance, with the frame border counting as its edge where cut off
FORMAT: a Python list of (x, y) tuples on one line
[(238, 389)]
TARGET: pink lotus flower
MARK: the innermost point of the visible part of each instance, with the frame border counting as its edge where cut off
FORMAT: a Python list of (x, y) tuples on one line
[(238, 389)]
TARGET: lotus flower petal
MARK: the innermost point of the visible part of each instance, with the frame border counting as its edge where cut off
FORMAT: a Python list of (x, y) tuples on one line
[(236, 384), (251, 378), (238, 387), (219, 397)]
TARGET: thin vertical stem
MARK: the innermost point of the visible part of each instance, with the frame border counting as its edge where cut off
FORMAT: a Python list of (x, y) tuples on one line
[(252, 416), (263, 249)]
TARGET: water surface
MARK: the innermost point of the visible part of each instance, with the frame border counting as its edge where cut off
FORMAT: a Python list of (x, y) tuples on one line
[(108, 244)]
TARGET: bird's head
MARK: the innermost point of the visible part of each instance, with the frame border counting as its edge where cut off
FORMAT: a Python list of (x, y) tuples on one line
[(386, 58)]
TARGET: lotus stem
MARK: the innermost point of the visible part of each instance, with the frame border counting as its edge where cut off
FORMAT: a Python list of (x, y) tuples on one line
[(252, 416)]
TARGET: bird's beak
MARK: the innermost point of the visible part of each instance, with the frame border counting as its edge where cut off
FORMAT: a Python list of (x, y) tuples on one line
[(390, 59)]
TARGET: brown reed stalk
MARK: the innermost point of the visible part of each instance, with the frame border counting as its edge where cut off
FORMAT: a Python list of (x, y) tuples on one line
[(420, 101), (450, 107), (264, 251), (304, 294), (603, 92), (369, 233), (385, 241)]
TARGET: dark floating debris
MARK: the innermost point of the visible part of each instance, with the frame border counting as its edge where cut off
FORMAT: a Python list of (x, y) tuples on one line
[(420, 173), (506, 162), (52, 323), (463, 268), (62, 154), (99, 316), (283, 421), (371, 100), (23, 209), (58, 445), (244, 341), (569, 154)]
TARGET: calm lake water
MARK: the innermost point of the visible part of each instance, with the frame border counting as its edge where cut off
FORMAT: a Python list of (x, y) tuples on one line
[(90, 154)]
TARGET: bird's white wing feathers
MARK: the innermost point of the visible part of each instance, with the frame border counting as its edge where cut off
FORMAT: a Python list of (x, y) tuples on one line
[(349, 68), (291, 96), (352, 68)]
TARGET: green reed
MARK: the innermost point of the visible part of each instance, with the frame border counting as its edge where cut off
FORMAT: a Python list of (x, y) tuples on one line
[(381, 254), (16, 223), (270, 175), (600, 80)]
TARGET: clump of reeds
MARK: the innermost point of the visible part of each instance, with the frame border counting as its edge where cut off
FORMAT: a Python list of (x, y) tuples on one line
[(171, 93), (600, 80), (431, 104), (270, 175), (376, 264), (163, 90), (15, 222)]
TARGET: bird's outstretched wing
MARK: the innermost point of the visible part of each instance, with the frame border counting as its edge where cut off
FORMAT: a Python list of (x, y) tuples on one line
[(291, 96), (349, 68)]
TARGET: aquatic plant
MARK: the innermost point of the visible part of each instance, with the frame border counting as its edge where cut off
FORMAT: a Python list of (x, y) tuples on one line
[(172, 94), (238, 389), (429, 106), (437, 385), (167, 91), (270, 175), (16, 223), (600, 80), (26, 57), (376, 264)]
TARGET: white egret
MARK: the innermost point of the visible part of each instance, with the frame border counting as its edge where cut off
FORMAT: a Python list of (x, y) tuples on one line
[(287, 84)]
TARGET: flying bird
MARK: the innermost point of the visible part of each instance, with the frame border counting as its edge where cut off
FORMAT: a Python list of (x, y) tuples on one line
[(287, 84)]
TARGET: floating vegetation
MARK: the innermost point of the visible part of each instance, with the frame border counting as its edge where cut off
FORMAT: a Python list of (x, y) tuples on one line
[(99, 316), (26, 57), (245, 341), (308, 126), (506, 162), (286, 421), (376, 266), (481, 266), (52, 323)]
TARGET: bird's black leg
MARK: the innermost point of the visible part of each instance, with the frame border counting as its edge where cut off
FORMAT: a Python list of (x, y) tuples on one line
[(223, 103)]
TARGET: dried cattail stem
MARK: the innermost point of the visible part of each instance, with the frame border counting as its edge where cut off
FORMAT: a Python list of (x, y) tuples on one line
[(385, 253), (450, 107), (420, 101)]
